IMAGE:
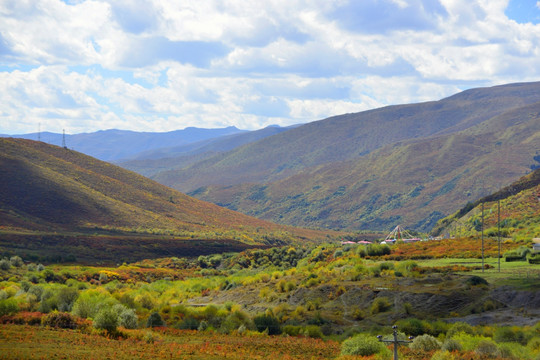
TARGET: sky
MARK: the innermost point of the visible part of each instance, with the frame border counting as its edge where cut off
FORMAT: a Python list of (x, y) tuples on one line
[(163, 65)]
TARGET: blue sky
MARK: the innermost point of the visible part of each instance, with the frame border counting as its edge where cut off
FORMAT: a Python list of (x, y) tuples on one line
[(162, 65)]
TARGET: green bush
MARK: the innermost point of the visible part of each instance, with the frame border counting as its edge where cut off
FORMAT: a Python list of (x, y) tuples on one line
[(126, 317), (476, 280), (16, 261), (451, 345), (66, 298), (57, 319), (106, 319), (363, 345), (154, 320), (292, 330), (380, 304), (263, 322), (8, 306), (460, 327), (313, 331), (487, 348), (5, 264), (425, 343), (189, 323)]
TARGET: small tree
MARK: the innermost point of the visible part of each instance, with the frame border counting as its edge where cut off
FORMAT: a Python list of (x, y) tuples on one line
[(263, 322), (154, 320), (364, 345), (106, 319)]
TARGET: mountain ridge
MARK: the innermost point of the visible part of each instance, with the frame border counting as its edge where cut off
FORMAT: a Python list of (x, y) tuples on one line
[(292, 177)]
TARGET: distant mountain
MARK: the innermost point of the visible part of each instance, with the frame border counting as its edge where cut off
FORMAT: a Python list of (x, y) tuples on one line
[(111, 145), (410, 164), (151, 162), (519, 212), (52, 189)]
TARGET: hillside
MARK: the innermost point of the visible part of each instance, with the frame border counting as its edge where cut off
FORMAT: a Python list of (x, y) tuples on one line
[(519, 212), (51, 189), (410, 164)]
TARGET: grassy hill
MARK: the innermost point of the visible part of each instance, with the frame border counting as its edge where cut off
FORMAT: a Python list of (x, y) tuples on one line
[(410, 164), (48, 190), (519, 212)]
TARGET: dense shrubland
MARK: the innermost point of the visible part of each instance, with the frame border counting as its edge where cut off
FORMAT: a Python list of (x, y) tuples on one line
[(288, 291)]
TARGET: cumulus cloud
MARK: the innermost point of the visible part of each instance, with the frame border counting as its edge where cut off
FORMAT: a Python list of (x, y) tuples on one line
[(158, 65)]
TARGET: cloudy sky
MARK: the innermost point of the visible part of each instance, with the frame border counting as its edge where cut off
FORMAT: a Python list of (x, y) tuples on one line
[(161, 65)]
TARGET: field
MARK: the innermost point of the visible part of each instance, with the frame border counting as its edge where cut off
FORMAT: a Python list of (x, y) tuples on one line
[(288, 302)]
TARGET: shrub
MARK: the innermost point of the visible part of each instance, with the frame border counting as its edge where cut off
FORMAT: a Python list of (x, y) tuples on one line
[(292, 330), (425, 343), (362, 344), (313, 331), (66, 297), (451, 345), (106, 319), (380, 304), (5, 264), (16, 261), (189, 323), (458, 328), (486, 348), (154, 320), (126, 317), (90, 302), (412, 326), (263, 322), (235, 320), (476, 280), (8, 306), (443, 355), (61, 320)]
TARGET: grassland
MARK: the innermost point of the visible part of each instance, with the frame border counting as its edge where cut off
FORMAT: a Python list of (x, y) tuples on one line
[(312, 298)]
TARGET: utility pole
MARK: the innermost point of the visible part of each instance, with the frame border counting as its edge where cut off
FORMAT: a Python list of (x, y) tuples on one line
[(499, 229), (482, 237), (64, 139), (395, 341)]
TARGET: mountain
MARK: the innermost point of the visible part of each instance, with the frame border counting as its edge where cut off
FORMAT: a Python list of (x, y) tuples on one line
[(149, 163), (120, 144), (519, 212), (411, 164), (46, 188)]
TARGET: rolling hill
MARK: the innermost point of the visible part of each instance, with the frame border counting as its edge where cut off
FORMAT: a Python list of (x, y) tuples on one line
[(50, 189), (519, 212), (410, 164)]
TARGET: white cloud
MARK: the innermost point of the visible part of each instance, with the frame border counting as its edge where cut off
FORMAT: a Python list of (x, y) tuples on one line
[(163, 65)]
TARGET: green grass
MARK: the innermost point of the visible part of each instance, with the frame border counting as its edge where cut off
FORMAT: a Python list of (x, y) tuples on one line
[(519, 274)]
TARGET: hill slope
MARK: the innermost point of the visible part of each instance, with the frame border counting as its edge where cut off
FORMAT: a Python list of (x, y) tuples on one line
[(410, 164), (519, 212), (45, 187)]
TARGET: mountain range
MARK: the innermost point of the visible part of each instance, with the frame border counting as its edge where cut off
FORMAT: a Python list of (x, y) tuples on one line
[(405, 164), (113, 145), (409, 164)]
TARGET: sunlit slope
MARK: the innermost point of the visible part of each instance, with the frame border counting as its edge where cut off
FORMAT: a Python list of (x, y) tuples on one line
[(45, 187), (349, 137), (519, 205), (413, 182)]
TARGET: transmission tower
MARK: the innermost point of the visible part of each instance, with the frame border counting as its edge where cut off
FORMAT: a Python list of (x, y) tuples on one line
[(64, 139)]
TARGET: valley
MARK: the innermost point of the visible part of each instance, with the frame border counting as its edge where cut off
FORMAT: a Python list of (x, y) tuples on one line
[(276, 250)]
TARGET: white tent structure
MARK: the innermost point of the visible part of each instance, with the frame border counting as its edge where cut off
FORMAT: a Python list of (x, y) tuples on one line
[(400, 234)]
